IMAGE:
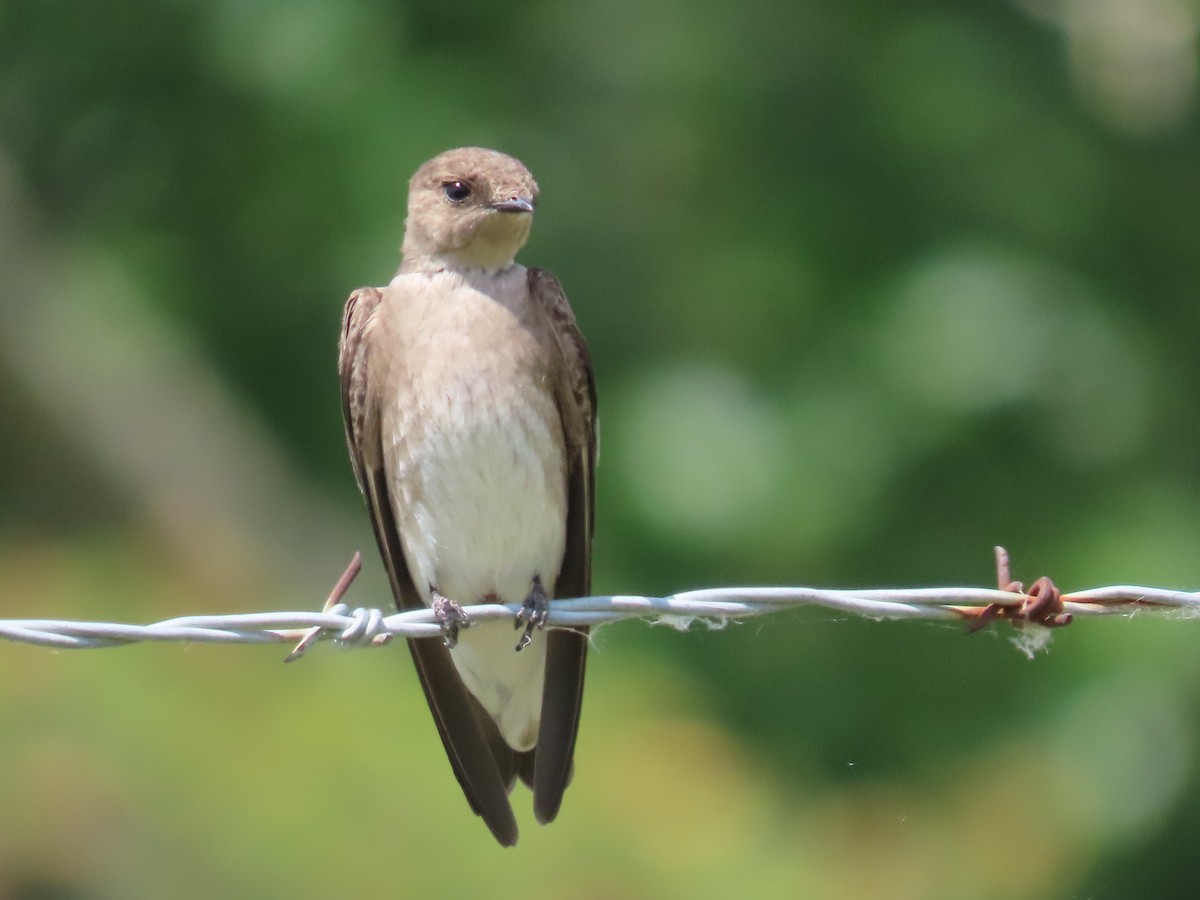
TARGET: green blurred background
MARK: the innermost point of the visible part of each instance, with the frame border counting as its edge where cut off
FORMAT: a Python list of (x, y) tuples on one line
[(870, 287)]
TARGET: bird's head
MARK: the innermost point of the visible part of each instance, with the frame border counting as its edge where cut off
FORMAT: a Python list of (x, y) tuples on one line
[(468, 208)]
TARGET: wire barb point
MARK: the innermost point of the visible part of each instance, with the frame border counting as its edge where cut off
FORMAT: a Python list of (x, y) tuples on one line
[(1041, 605), (335, 599)]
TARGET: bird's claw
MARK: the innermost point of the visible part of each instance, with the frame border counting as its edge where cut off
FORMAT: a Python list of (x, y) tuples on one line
[(533, 614)]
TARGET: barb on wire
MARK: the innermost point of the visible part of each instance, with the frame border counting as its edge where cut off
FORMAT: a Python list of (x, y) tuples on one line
[(1043, 606)]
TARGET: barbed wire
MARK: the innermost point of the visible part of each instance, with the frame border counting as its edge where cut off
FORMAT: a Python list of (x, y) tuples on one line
[(1035, 611)]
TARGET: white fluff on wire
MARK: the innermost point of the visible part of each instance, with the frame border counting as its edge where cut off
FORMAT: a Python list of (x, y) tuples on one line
[(1034, 611)]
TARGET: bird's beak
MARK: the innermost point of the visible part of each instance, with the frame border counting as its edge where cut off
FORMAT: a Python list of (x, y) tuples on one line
[(514, 205)]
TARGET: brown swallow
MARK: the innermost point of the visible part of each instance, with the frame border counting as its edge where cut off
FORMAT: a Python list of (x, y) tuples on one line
[(470, 410)]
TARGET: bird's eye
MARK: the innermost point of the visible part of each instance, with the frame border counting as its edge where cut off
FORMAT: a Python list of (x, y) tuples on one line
[(456, 191)]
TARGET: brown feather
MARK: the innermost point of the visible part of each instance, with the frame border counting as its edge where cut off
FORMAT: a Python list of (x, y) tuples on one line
[(566, 649)]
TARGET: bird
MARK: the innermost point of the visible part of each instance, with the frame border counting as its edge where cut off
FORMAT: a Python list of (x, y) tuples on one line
[(469, 404)]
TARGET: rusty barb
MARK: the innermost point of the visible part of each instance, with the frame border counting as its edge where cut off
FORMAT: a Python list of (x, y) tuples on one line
[(1042, 604)]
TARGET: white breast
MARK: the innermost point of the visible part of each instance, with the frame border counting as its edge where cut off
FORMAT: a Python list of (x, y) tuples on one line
[(482, 501)]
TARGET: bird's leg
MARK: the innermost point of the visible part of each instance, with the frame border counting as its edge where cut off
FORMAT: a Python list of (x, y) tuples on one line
[(450, 616), (533, 612)]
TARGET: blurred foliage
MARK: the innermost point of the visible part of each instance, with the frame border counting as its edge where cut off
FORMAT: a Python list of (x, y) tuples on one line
[(869, 288)]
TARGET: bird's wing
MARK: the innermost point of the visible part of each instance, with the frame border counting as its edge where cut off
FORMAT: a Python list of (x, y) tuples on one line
[(451, 704), (566, 649)]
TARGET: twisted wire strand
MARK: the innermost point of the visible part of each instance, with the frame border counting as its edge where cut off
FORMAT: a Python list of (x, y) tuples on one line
[(1043, 605)]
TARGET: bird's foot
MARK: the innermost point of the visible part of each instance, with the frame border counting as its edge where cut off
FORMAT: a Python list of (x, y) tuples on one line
[(450, 616), (534, 612)]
